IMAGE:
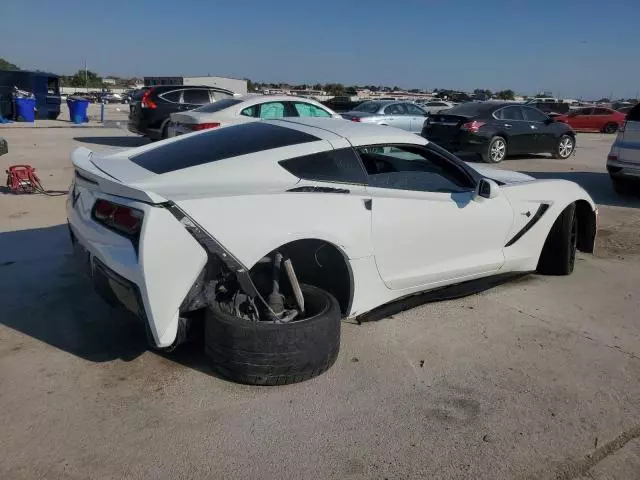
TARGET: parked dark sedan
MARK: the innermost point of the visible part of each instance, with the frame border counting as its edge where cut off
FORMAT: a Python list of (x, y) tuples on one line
[(150, 110), (497, 129)]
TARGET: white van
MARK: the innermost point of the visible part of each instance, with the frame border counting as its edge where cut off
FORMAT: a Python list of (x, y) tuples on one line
[(623, 161)]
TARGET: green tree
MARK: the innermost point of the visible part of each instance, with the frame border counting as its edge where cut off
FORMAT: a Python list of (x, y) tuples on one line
[(317, 86), (395, 89), (505, 95), (335, 89), (351, 90), (250, 86), (5, 65), (604, 100), (82, 79)]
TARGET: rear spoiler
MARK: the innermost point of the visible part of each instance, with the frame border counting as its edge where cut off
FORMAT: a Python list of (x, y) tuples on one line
[(90, 176)]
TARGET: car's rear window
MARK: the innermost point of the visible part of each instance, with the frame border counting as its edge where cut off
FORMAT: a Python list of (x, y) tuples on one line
[(471, 109), (219, 105), (369, 107), (219, 144)]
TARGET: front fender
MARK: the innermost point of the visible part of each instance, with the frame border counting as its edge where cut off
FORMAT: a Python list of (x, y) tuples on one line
[(525, 199)]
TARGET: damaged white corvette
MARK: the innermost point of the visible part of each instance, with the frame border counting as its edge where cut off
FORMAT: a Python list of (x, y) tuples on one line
[(273, 231)]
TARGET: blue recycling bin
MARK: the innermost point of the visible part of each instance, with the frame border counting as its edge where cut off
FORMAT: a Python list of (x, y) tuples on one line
[(25, 109), (78, 110)]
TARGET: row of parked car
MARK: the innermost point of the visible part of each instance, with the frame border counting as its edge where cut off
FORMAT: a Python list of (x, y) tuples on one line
[(491, 130)]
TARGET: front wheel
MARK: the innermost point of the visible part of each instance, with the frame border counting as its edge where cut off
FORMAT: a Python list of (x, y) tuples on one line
[(496, 151), (565, 147), (610, 128), (558, 255)]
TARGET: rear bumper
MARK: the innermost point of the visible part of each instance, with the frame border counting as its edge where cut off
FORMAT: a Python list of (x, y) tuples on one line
[(152, 280), (463, 143), (623, 169)]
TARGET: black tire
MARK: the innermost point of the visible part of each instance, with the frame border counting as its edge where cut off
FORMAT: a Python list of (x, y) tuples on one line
[(622, 186), (558, 255), (562, 150), (265, 353), (610, 128), (496, 150)]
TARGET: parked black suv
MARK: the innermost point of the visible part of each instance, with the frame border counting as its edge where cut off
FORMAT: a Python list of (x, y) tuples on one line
[(497, 129), (150, 109)]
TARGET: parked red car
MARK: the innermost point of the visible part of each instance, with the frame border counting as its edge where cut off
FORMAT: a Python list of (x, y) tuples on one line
[(600, 119)]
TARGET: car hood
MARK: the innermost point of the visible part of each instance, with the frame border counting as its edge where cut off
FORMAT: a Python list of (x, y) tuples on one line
[(502, 176)]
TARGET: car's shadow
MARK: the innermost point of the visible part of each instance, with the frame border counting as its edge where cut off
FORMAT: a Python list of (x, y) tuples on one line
[(43, 296), (597, 184), (123, 141)]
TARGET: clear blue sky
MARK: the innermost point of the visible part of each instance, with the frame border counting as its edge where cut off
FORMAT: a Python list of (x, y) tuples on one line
[(575, 48)]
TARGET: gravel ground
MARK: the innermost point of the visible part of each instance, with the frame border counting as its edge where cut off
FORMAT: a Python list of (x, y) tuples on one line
[(533, 379)]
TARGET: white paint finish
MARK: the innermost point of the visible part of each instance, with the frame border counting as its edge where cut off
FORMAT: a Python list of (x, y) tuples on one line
[(504, 176), (170, 260), (421, 238), (251, 226), (417, 240)]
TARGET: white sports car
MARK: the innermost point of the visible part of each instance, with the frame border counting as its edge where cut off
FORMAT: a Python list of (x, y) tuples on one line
[(273, 231)]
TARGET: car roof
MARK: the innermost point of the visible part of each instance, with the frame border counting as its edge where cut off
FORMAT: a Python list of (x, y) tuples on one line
[(355, 133)]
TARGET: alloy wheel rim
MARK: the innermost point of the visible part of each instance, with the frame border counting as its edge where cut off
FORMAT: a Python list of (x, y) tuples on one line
[(498, 150), (566, 147)]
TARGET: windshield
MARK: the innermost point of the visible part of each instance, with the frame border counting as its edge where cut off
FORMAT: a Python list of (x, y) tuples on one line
[(369, 107), (217, 106)]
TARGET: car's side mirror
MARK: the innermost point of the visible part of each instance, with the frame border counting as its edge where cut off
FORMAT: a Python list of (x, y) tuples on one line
[(487, 189)]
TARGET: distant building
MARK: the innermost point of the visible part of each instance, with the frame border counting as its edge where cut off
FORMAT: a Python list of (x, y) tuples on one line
[(236, 85), (109, 81)]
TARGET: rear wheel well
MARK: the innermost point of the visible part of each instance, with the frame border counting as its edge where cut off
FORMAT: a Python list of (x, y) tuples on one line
[(318, 263), (587, 225)]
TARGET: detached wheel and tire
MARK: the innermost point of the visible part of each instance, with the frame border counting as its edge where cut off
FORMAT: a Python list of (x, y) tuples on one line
[(610, 128), (496, 150), (558, 255), (266, 353), (565, 147)]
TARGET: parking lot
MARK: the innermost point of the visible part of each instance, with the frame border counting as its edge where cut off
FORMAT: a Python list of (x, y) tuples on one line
[(536, 378)]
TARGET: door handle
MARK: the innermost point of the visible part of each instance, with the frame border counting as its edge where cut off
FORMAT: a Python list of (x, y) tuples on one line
[(533, 127), (507, 125), (367, 203)]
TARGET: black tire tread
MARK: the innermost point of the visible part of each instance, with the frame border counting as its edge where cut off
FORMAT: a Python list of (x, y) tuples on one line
[(556, 152), (257, 353), (486, 156), (558, 255)]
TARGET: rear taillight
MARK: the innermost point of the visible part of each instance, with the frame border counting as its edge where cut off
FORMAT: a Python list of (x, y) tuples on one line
[(472, 126), (354, 119), (196, 127), (126, 220), (612, 156), (146, 102)]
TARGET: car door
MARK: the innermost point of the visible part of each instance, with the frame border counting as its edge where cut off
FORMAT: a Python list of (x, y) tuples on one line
[(520, 135), (601, 116), (581, 119), (417, 116), (395, 116), (428, 227), (544, 136)]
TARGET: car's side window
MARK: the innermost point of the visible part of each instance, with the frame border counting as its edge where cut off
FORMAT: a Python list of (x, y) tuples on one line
[(251, 111), (196, 96), (534, 115), (309, 110), (585, 111), (511, 113), (601, 111), (413, 110), (341, 166), (395, 109), (412, 168), (272, 110), (172, 96)]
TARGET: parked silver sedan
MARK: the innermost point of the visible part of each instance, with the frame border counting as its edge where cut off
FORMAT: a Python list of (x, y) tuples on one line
[(405, 115)]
